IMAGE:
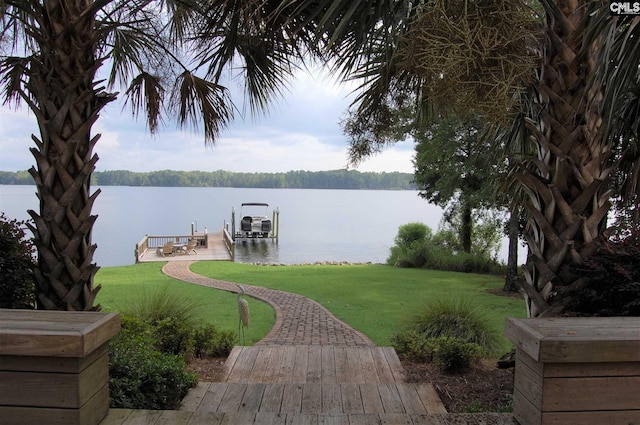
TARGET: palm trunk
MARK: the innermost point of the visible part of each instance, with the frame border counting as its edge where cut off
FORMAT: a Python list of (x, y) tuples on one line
[(511, 280), (568, 196), (466, 229), (66, 104)]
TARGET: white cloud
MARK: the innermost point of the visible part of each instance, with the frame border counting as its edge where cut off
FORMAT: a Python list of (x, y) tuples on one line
[(301, 132)]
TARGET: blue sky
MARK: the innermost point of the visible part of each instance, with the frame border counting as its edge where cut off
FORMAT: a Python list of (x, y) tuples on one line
[(300, 132)]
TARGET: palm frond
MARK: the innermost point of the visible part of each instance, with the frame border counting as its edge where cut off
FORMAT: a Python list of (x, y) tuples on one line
[(13, 72), (196, 100), (146, 93)]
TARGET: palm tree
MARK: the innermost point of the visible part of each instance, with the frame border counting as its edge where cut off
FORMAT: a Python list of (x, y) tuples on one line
[(581, 74), (51, 54)]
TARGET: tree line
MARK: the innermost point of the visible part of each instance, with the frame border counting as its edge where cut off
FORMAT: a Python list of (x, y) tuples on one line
[(334, 179)]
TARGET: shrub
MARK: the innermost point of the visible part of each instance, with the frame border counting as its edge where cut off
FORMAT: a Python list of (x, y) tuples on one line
[(211, 341), (458, 318), (412, 345), (17, 285), (449, 353), (174, 336), (141, 377), (455, 354), (411, 245), (609, 280)]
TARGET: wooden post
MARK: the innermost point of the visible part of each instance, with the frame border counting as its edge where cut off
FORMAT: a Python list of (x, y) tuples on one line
[(576, 370), (54, 366)]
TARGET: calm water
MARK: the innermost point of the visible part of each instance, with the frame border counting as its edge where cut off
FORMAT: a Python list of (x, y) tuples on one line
[(315, 225)]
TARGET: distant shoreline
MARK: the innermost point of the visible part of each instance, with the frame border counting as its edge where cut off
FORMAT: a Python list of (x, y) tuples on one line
[(333, 179)]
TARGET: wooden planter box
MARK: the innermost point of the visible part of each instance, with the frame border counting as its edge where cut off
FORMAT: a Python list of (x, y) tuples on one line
[(54, 366), (573, 371)]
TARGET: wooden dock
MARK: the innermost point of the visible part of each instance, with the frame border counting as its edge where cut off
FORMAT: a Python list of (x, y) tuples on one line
[(212, 248)]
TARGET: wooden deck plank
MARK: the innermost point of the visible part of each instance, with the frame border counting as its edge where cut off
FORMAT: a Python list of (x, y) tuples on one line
[(430, 398), (341, 365), (292, 398), (301, 364), (328, 364), (311, 398), (368, 365), (116, 416), (142, 417), (360, 368), (394, 363), (261, 368), (331, 398), (333, 419), (264, 418), (174, 417), (410, 399), (272, 372), (351, 398), (364, 419), (206, 418), (231, 361), (194, 397), (252, 398), (212, 397), (371, 401), (272, 398), (390, 398), (314, 364), (287, 364), (243, 366), (403, 419), (232, 398), (238, 418), (382, 367), (301, 419)]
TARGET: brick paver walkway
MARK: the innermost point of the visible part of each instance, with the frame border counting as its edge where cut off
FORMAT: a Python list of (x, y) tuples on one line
[(299, 320)]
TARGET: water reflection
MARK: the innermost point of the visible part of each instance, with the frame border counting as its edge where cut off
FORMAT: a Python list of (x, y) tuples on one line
[(257, 251)]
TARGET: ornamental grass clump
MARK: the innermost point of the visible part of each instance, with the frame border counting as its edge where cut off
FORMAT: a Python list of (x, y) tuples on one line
[(450, 333), (458, 318)]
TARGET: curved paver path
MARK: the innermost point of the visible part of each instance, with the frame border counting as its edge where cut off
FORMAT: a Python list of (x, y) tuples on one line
[(299, 320)]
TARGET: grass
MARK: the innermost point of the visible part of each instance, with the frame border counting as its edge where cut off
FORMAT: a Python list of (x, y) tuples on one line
[(378, 300), (124, 287)]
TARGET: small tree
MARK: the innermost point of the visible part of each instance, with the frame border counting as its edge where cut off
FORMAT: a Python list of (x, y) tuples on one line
[(16, 265)]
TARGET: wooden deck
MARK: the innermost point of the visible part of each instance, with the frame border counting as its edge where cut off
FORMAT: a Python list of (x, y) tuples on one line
[(307, 385), (216, 251)]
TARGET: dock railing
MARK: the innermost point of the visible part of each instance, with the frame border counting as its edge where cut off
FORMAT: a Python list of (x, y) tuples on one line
[(229, 242)]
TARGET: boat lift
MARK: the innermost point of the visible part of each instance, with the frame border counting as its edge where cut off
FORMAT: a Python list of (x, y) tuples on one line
[(255, 226)]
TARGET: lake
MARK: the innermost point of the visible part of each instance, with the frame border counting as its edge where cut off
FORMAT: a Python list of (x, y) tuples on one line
[(315, 225)]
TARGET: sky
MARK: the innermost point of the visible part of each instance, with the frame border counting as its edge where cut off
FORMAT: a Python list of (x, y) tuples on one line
[(301, 131)]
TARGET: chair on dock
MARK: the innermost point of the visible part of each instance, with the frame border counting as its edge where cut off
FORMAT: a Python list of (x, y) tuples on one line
[(191, 246), (167, 249)]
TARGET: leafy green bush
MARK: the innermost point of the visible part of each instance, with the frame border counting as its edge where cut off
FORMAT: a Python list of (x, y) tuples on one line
[(449, 353), (17, 285), (141, 377), (455, 354), (609, 280), (174, 336), (458, 318), (211, 341), (410, 344), (411, 246), (417, 247)]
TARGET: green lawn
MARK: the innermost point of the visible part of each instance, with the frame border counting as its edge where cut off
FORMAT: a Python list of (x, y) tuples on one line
[(122, 284), (378, 300)]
